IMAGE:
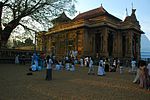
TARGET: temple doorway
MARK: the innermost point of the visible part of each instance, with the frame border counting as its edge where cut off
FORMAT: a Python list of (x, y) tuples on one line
[(123, 45), (97, 42), (110, 43)]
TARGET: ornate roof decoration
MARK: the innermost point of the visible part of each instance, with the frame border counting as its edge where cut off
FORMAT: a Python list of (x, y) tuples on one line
[(62, 18), (94, 13), (91, 13), (132, 18), (94, 18)]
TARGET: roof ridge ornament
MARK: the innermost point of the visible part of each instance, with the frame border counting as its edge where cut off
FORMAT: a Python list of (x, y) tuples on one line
[(127, 12), (132, 5)]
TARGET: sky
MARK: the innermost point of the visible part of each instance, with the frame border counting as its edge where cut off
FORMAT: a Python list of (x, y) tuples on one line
[(118, 9)]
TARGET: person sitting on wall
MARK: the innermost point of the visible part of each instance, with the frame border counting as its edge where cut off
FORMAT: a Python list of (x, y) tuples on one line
[(17, 59)]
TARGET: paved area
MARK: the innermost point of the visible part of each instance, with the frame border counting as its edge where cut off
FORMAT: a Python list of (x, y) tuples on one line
[(16, 85)]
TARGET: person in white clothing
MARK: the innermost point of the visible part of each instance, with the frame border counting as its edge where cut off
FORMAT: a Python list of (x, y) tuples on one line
[(133, 65), (121, 69), (101, 71), (57, 65), (101, 62), (17, 59), (91, 67), (136, 79), (67, 63), (81, 62), (33, 67), (72, 66)]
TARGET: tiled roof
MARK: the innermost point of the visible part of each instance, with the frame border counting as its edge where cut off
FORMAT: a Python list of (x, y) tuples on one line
[(61, 18), (91, 13)]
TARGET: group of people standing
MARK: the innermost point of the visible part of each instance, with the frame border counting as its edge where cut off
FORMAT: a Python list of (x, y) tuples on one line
[(37, 61), (104, 65), (141, 69), (67, 63)]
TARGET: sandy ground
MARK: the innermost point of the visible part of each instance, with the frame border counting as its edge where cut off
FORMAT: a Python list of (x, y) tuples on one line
[(16, 85)]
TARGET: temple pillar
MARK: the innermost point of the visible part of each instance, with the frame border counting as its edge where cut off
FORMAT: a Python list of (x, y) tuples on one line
[(86, 43), (105, 42), (119, 44), (129, 53), (115, 45), (138, 46)]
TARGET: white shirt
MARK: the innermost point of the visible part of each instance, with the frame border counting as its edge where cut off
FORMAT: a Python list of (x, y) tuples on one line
[(91, 63), (33, 67), (17, 59), (49, 65), (81, 61), (101, 62), (133, 63)]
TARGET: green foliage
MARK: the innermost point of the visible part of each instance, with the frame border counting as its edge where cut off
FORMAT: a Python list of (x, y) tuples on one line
[(33, 15), (28, 41), (40, 11), (19, 43)]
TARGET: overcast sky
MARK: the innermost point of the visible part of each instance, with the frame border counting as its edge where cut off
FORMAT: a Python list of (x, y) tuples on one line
[(118, 9)]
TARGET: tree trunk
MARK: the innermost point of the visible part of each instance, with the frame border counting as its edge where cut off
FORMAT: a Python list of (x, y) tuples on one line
[(7, 32), (1, 8)]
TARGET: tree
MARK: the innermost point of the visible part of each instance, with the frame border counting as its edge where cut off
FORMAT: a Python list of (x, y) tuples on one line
[(30, 14), (28, 42)]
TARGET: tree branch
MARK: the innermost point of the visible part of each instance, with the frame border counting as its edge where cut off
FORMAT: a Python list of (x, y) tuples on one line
[(27, 27)]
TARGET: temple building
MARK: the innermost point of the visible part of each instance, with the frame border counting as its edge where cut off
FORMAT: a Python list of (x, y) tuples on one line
[(93, 33)]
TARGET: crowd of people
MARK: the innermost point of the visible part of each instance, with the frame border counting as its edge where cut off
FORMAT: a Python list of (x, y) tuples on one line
[(99, 67), (68, 63)]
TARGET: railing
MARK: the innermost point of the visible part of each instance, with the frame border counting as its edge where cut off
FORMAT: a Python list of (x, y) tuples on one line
[(8, 55)]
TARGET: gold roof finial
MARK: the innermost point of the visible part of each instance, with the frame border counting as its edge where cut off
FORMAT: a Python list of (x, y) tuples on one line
[(126, 12), (132, 5)]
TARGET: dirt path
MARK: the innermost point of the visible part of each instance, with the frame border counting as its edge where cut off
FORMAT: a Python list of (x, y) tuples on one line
[(16, 85)]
